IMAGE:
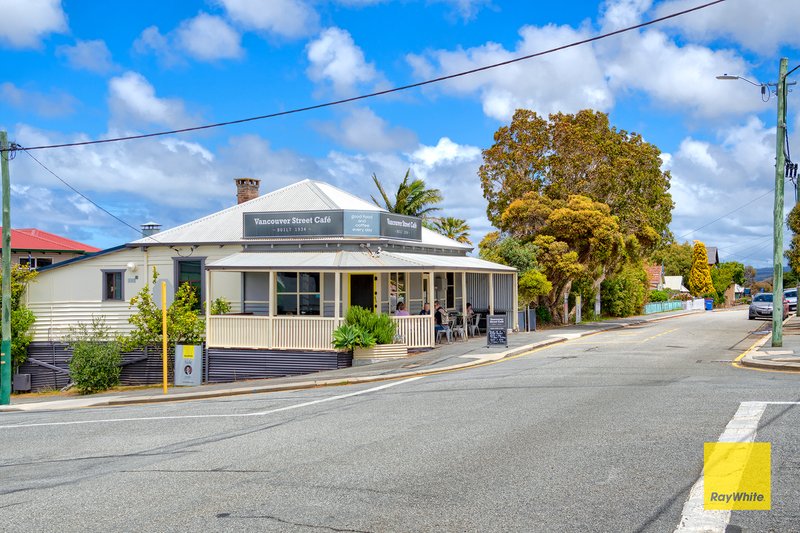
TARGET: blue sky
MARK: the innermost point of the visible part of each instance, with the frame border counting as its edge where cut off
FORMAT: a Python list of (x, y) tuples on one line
[(78, 70)]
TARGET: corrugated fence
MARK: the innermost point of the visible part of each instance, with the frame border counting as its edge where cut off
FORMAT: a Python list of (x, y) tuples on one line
[(48, 365)]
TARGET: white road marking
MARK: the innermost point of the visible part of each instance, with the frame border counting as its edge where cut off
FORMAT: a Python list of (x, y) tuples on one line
[(741, 428), (229, 415)]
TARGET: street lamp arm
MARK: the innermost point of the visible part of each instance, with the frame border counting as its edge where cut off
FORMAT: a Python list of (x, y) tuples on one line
[(732, 77)]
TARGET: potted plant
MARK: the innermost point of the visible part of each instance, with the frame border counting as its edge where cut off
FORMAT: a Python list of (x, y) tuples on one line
[(369, 336)]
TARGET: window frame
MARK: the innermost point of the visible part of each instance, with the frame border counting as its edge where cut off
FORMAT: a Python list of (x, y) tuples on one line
[(105, 272), (298, 293), (201, 298)]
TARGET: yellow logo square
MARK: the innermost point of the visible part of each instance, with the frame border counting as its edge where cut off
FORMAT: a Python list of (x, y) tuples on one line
[(737, 476), (188, 352)]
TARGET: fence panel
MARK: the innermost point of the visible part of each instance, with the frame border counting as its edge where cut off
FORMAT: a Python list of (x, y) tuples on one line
[(416, 330), (660, 307)]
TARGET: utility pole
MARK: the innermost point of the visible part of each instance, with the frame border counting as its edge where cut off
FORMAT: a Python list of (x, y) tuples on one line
[(5, 346), (777, 250)]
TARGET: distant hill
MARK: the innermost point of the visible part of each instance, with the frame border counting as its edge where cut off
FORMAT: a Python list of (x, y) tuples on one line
[(766, 273)]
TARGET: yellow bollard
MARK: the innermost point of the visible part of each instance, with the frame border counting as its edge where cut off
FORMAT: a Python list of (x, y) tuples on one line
[(164, 332)]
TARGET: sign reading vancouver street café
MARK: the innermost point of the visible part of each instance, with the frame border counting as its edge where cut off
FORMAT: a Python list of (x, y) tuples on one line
[(331, 224)]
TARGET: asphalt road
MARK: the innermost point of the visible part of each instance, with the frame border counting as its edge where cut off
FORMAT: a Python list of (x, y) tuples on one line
[(603, 433)]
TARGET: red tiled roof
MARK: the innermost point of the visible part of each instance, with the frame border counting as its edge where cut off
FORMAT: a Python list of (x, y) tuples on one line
[(36, 239)]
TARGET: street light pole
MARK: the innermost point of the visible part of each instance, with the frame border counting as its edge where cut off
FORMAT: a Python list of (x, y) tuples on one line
[(777, 248)]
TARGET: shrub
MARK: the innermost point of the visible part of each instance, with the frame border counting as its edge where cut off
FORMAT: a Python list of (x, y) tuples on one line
[(96, 360), (623, 294), (220, 306), (184, 323), (348, 336), (22, 318), (543, 315), (379, 326), (659, 296)]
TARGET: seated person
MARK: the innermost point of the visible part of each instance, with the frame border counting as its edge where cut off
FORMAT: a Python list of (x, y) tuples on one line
[(401, 309), (426, 309), (440, 317), (470, 311)]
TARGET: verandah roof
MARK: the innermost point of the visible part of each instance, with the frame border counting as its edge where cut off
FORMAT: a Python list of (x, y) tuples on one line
[(351, 261)]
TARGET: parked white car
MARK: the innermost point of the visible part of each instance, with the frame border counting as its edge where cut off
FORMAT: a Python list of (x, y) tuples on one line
[(791, 296)]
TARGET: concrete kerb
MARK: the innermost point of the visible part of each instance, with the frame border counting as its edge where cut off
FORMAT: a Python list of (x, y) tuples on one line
[(746, 360), (238, 391)]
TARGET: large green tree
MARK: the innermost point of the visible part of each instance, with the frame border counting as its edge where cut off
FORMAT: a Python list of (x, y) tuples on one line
[(676, 258), (580, 154), (578, 240), (412, 198)]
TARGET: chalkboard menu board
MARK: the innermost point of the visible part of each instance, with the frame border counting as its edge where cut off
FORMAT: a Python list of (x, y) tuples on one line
[(496, 333)]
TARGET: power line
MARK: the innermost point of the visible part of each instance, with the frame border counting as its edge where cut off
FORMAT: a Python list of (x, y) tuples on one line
[(725, 215), (386, 91), (79, 193)]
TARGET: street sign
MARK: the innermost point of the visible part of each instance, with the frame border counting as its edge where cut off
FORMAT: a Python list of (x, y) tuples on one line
[(496, 331)]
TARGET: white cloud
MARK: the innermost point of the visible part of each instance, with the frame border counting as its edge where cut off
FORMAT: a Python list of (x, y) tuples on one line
[(290, 19), (453, 168), (24, 22), (335, 58), (711, 180), (363, 130), (54, 104), (759, 26), (568, 81), (464, 9), (93, 56), (209, 38), (151, 40), (681, 77), (204, 38), (172, 180), (134, 103)]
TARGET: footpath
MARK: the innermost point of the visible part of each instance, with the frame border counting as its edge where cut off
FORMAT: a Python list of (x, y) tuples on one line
[(446, 357), (786, 358)]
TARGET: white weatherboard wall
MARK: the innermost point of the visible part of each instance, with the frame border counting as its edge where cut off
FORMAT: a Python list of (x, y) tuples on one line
[(73, 293)]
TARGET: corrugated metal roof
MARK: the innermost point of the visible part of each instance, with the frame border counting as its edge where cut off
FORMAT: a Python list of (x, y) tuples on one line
[(308, 195), (385, 261)]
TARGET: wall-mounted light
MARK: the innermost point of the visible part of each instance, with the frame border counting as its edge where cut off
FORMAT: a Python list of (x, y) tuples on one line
[(131, 266)]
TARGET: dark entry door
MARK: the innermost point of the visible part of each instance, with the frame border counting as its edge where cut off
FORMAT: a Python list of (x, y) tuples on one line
[(362, 290)]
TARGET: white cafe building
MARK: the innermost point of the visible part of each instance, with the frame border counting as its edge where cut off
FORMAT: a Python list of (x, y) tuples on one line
[(290, 262)]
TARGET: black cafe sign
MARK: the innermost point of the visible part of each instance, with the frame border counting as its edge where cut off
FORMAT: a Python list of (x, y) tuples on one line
[(331, 224)]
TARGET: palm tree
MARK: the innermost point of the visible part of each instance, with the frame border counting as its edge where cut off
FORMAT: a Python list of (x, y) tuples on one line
[(454, 228), (412, 199)]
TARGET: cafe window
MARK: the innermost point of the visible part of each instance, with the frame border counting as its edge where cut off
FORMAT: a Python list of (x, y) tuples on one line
[(191, 271), (298, 293), (112, 285), (397, 290)]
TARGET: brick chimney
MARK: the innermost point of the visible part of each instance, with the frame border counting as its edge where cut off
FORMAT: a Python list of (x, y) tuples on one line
[(246, 189)]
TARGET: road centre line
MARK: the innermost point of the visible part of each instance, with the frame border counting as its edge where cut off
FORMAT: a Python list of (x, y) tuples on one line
[(741, 428), (660, 334), (228, 415)]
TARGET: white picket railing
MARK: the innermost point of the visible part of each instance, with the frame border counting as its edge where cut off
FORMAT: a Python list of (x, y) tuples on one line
[(301, 332), (416, 330), (264, 332)]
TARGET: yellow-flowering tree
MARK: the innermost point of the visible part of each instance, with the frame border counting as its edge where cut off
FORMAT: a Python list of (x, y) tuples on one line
[(700, 283)]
